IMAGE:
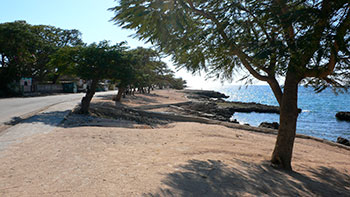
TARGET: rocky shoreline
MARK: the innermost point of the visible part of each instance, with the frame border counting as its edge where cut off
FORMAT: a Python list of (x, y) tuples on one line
[(203, 104), (213, 105), (203, 107)]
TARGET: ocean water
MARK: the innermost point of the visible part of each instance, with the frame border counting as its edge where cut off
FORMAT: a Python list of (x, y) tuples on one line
[(318, 110)]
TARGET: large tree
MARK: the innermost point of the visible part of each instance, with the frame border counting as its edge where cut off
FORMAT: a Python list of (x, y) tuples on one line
[(300, 41), (52, 39), (17, 48), (94, 63), (25, 50)]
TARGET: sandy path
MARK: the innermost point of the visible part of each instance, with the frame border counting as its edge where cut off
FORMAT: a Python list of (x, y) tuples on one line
[(186, 159)]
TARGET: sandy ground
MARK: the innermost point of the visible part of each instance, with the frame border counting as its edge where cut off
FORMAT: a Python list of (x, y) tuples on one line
[(185, 159)]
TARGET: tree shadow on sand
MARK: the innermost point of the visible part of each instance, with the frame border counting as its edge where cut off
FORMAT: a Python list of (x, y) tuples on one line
[(214, 178), (53, 118), (137, 98), (101, 114)]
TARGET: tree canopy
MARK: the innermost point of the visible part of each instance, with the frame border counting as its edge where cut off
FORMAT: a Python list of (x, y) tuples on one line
[(299, 41), (262, 36), (25, 50)]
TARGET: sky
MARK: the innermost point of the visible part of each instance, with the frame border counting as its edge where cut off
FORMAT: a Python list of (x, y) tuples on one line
[(92, 19)]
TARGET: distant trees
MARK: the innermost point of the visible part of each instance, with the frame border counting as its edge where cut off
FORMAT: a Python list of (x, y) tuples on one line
[(25, 51), (143, 70), (17, 52), (45, 53), (298, 41), (149, 69)]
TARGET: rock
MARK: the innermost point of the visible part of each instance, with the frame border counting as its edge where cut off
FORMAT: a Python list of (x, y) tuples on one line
[(343, 141), (234, 121), (343, 116), (209, 110), (273, 125), (217, 97), (249, 107), (205, 94)]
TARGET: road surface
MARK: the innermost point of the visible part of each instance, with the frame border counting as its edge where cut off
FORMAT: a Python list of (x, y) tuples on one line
[(37, 115), (19, 107)]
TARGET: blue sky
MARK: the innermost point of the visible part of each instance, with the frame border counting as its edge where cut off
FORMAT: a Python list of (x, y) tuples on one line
[(89, 17)]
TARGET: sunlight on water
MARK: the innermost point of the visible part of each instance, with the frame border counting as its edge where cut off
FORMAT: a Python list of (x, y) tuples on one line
[(318, 115)]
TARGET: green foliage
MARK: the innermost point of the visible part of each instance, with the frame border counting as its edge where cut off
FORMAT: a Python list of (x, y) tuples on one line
[(63, 62), (98, 61), (25, 50), (267, 38), (177, 83), (302, 41), (17, 47)]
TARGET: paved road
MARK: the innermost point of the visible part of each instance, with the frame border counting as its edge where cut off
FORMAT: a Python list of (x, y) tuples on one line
[(18, 107), (41, 115)]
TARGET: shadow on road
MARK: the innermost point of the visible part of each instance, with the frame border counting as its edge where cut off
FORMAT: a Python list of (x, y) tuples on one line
[(101, 114), (214, 178), (48, 118)]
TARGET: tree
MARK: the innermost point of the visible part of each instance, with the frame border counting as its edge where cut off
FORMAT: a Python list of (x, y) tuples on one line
[(96, 62), (301, 41), (25, 50), (17, 46), (63, 62), (148, 68), (52, 39), (177, 83), (142, 68), (124, 74)]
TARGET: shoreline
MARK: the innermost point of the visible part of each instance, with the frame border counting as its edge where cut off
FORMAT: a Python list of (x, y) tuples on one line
[(145, 156), (220, 95), (303, 120), (173, 114)]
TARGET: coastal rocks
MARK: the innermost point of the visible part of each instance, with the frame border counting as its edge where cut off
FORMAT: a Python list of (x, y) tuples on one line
[(204, 94), (273, 125), (249, 107), (343, 116), (343, 141), (208, 110), (215, 100)]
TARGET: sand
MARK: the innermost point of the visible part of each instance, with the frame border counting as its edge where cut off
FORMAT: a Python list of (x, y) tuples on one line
[(184, 159)]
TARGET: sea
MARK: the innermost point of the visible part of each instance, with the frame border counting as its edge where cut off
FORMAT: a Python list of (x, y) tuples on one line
[(318, 109)]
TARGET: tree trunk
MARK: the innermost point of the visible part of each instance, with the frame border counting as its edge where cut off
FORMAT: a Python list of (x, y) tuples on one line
[(55, 78), (119, 94), (282, 154), (276, 89), (85, 102)]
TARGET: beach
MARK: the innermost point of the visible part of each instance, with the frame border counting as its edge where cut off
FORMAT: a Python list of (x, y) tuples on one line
[(173, 159)]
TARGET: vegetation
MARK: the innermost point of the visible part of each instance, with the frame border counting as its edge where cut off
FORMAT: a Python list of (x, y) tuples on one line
[(298, 42), (45, 53), (25, 51), (94, 63)]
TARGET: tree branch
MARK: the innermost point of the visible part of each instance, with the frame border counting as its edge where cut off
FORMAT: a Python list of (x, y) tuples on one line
[(317, 33), (276, 89), (257, 22), (289, 34), (245, 59), (323, 72)]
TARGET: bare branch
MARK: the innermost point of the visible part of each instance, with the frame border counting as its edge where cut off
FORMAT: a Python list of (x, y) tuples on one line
[(245, 59), (289, 34), (323, 72)]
